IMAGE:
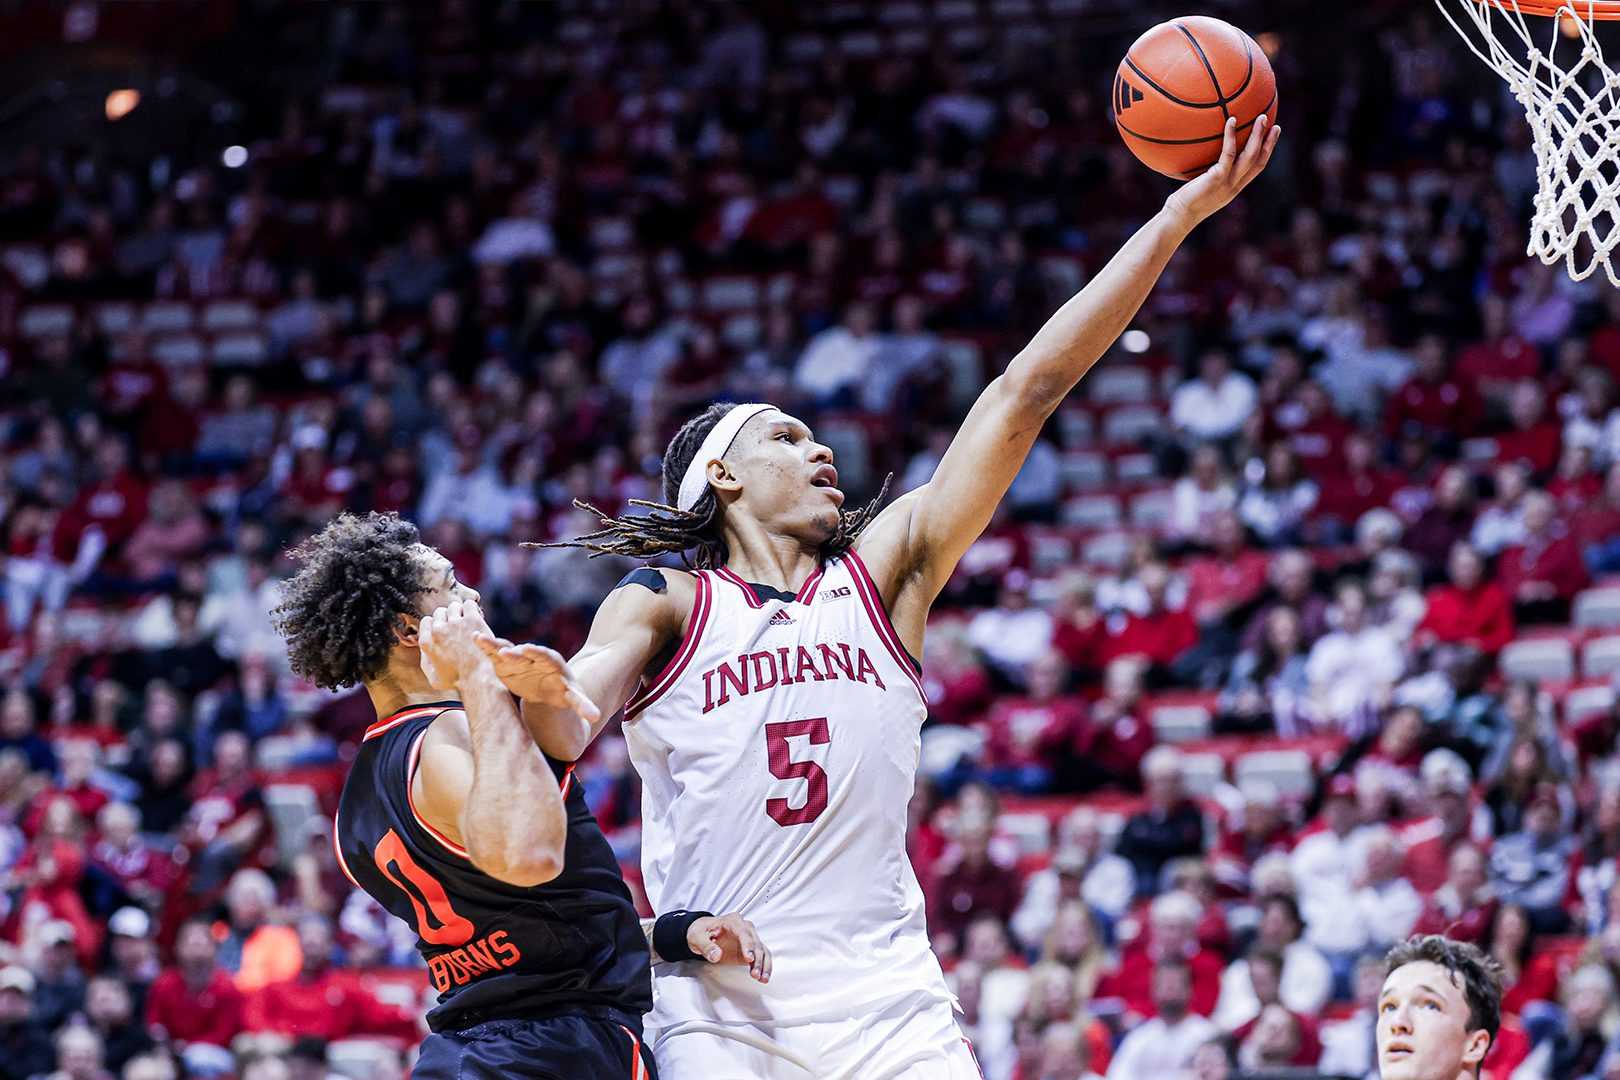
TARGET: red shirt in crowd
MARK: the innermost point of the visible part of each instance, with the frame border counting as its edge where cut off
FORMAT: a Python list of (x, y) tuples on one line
[(1449, 405), (1310, 1039), (1132, 980), (1597, 522), (1443, 915), (329, 1006), (1538, 445), (1538, 981), (211, 1015), (1508, 1051), (1575, 493), (87, 800), (1555, 561), (1481, 616), (1161, 636), (1237, 850), (1083, 647), (1347, 496), (1507, 359), (964, 891), (1428, 851), (138, 866), (958, 696), (1115, 746), (114, 505), (55, 870), (1023, 731), (1217, 583), (1604, 348)]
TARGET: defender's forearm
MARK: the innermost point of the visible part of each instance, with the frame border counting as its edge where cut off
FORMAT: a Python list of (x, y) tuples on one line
[(514, 823)]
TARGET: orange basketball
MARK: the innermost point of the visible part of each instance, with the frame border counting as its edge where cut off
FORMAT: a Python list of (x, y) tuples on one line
[(1179, 83)]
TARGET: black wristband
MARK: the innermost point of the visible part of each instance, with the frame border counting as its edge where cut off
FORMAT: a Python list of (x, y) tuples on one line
[(669, 935)]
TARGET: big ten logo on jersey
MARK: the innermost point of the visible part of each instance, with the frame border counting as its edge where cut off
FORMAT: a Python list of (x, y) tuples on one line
[(752, 672)]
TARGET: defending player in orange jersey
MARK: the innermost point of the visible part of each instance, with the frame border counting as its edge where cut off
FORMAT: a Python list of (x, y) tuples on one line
[(455, 821)]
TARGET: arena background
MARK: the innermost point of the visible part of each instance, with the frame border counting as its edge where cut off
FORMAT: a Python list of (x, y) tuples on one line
[(1338, 520)]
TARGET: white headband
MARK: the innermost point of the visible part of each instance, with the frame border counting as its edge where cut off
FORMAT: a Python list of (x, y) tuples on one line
[(715, 445)]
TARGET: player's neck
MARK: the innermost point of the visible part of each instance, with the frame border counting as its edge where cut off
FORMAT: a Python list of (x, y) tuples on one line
[(400, 686), (782, 562)]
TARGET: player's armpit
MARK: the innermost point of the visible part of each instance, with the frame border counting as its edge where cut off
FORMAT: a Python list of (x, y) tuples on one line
[(444, 776)]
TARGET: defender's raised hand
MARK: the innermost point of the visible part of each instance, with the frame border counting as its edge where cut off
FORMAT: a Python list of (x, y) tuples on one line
[(730, 939), (1220, 183), (448, 640), (537, 674)]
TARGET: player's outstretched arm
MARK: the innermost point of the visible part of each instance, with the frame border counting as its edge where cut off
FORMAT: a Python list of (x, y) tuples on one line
[(950, 512), (565, 705), (482, 781)]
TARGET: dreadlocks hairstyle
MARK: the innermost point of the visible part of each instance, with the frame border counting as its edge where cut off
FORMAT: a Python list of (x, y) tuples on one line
[(340, 610), (693, 534)]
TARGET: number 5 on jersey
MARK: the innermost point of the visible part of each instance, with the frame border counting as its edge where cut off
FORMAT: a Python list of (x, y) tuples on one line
[(779, 755)]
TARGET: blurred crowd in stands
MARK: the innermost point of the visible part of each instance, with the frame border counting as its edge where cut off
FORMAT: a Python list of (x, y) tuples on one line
[(1298, 632)]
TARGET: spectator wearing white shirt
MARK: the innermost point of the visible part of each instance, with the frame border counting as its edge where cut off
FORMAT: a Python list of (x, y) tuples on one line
[(1349, 1046), (1013, 634), (1501, 524), (1352, 670), (1215, 405), (1199, 497), (1386, 902), (1080, 868), (1164, 1045), (521, 234), (909, 349), (1323, 866), (991, 1035), (633, 365), (1306, 981), (1362, 366), (839, 358), (1277, 497)]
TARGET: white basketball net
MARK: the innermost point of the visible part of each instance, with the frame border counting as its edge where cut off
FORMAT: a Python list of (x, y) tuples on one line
[(1574, 116)]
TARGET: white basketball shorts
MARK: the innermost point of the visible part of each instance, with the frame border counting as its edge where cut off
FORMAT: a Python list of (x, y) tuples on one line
[(912, 1038)]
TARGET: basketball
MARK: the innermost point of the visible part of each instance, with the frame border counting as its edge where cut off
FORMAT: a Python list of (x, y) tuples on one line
[(1178, 84)]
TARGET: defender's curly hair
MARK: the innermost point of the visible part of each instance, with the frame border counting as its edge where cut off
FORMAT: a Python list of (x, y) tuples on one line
[(340, 610), (693, 534)]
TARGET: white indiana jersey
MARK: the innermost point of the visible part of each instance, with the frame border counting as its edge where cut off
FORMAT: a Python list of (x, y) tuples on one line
[(777, 752)]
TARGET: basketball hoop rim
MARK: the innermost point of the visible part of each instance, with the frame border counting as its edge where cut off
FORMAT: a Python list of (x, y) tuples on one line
[(1596, 10)]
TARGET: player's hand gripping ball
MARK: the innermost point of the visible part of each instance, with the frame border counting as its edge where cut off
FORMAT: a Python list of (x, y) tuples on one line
[(1180, 85), (448, 641)]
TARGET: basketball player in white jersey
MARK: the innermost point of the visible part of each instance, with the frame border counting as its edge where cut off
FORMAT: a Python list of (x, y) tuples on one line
[(772, 700)]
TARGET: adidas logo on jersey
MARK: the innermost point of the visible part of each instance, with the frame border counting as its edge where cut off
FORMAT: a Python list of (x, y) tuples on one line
[(781, 618)]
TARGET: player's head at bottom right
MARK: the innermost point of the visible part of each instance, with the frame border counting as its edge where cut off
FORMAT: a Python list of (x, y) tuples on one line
[(1438, 1011)]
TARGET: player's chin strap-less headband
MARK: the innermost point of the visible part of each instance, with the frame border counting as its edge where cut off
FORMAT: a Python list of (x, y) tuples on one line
[(715, 445)]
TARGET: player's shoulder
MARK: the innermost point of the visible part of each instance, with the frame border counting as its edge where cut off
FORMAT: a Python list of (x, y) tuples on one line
[(658, 595)]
